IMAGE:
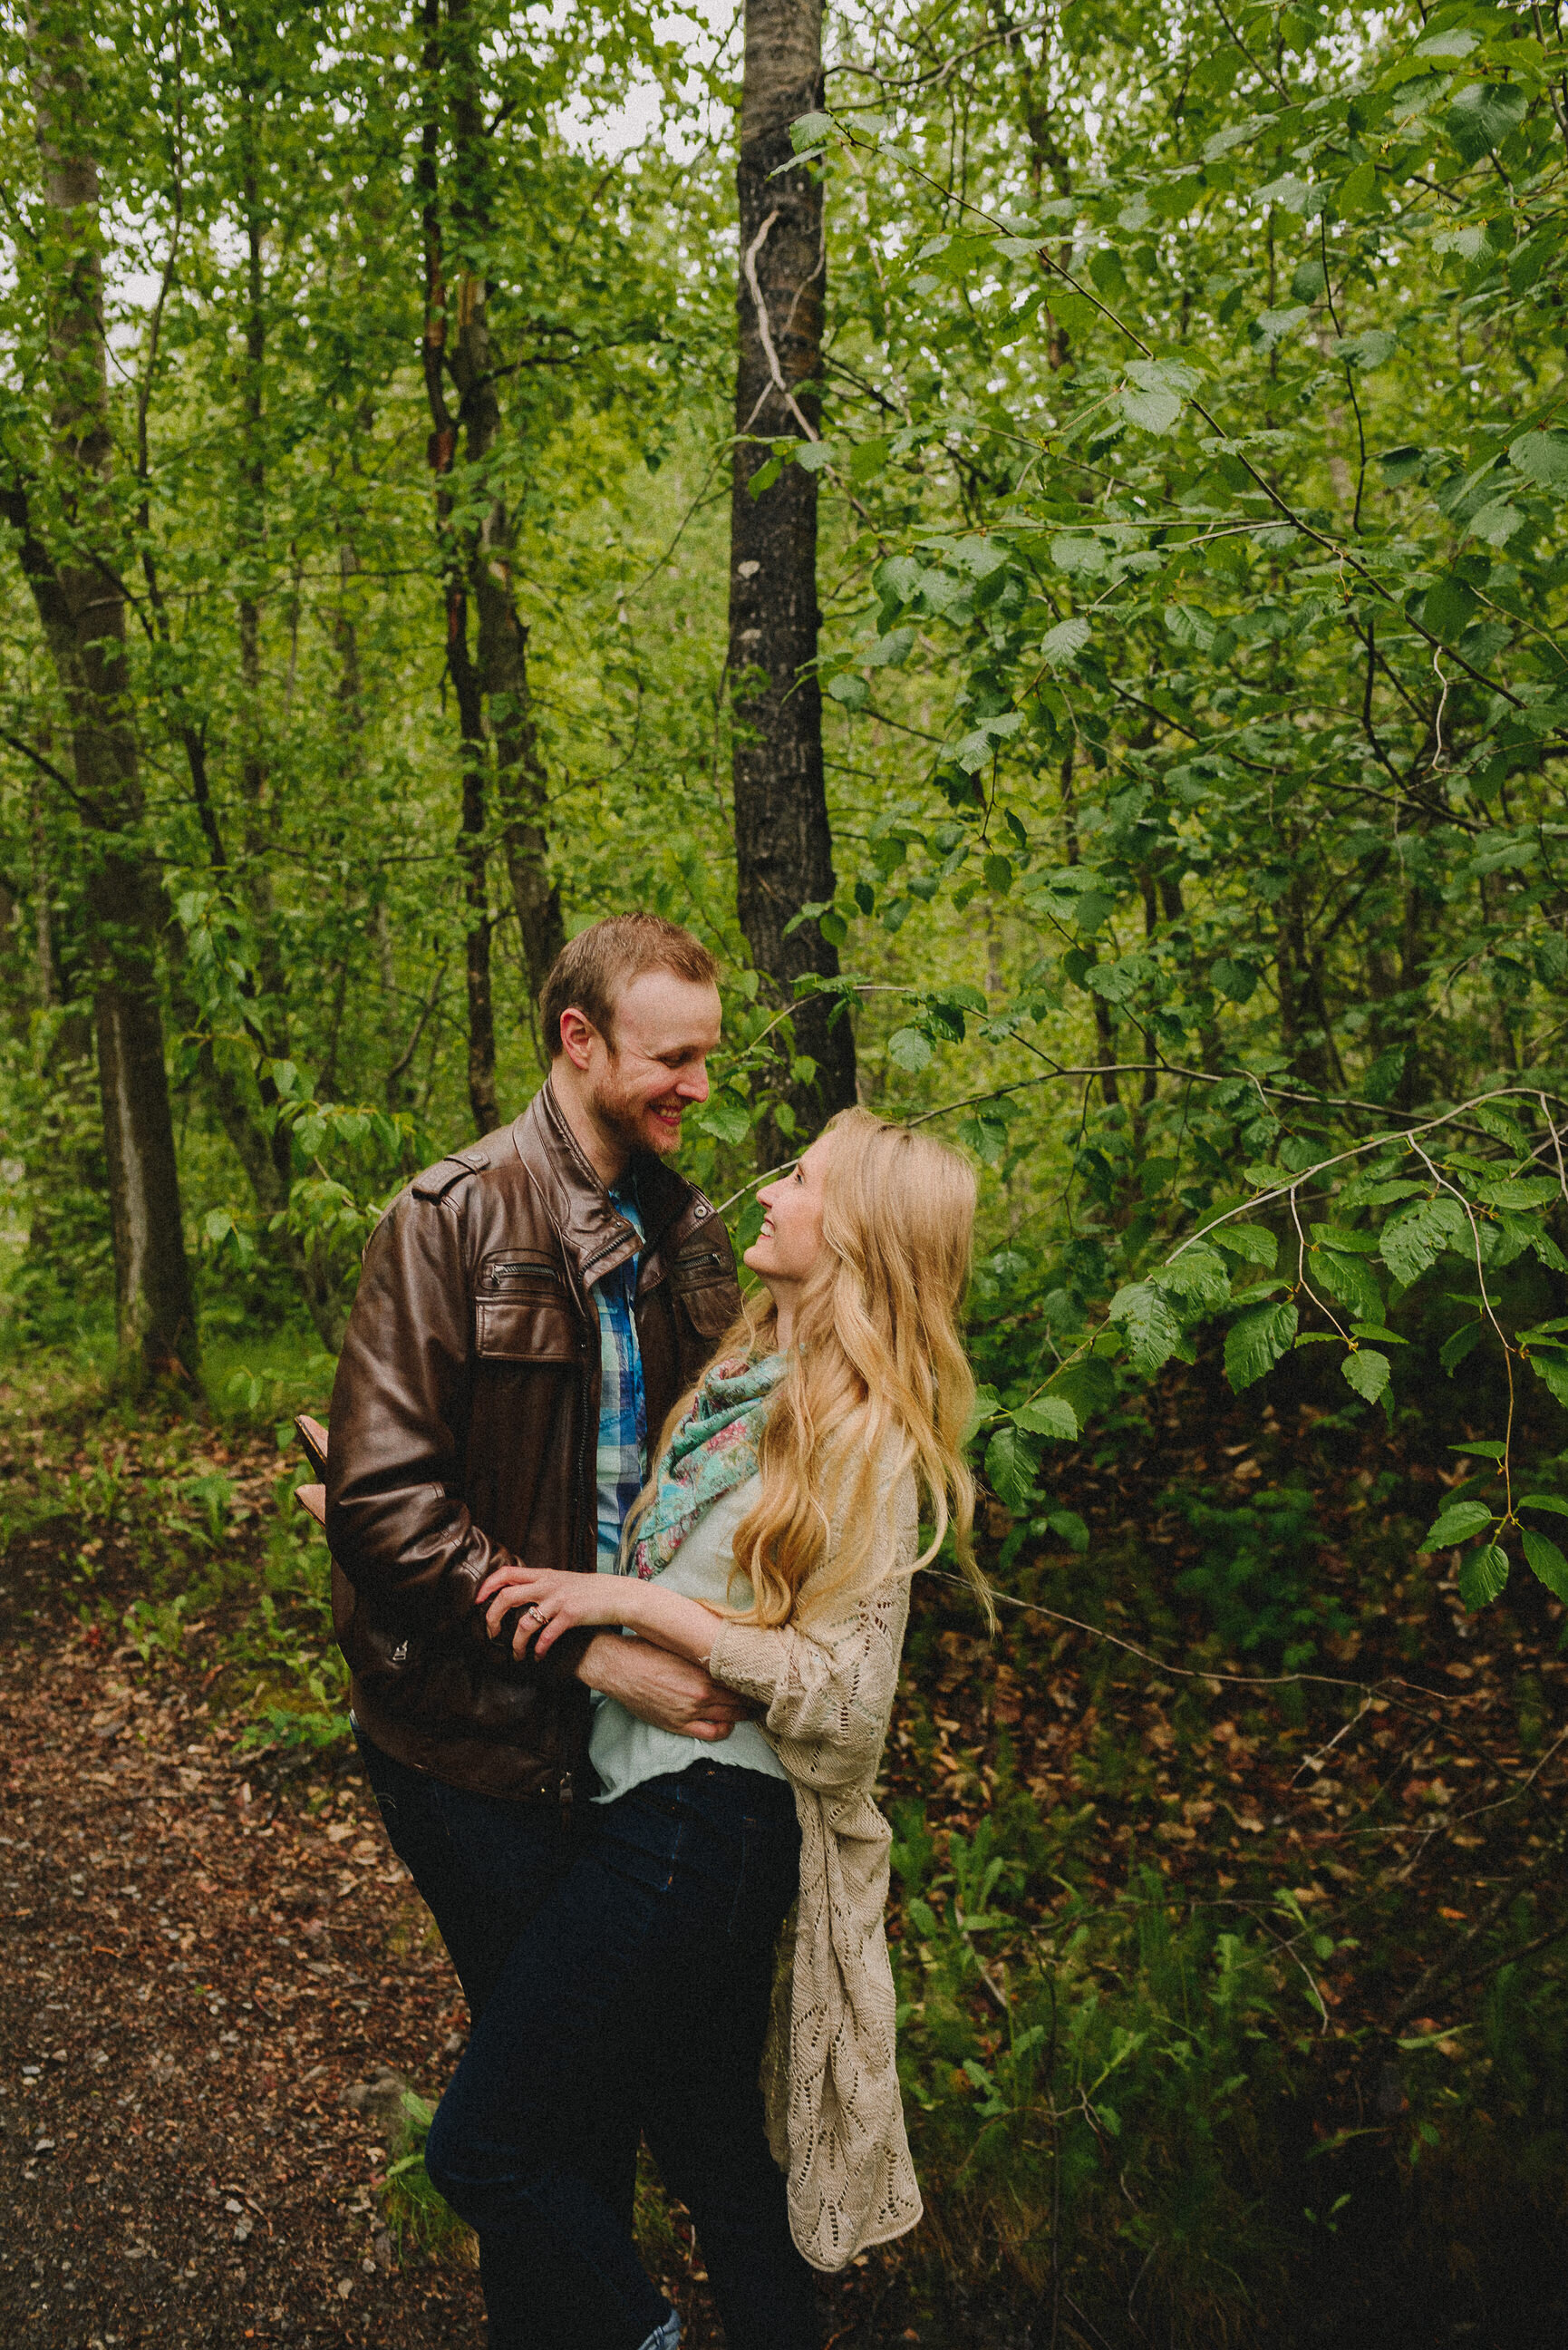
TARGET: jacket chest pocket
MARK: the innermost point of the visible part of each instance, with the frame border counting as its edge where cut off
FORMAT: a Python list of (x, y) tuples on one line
[(701, 1279), (520, 1312)]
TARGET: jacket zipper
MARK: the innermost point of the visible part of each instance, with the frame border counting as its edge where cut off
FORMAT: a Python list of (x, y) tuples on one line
[(566, 1798)]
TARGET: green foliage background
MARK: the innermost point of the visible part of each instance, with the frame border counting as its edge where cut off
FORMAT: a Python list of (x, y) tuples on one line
[(1193, 576)]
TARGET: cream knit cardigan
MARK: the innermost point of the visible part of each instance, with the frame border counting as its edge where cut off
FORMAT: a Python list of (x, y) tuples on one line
[(834, 2119)]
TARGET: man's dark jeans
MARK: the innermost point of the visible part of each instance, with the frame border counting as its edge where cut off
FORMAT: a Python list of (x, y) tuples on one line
[(484, 1867), (636, 1981)]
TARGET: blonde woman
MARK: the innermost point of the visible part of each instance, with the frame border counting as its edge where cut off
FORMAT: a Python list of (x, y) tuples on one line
[(774, 1545)]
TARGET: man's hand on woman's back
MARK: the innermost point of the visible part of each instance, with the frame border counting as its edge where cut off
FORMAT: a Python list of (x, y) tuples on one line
[(660, 1689)]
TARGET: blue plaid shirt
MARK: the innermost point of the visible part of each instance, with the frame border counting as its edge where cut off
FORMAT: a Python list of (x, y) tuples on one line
[(623, 1400)]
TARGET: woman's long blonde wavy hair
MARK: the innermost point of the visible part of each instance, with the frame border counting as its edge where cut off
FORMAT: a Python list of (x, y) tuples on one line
[(876, 1380)]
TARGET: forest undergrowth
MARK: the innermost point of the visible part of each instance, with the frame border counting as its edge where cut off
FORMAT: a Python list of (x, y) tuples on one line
[(1228, 1917)]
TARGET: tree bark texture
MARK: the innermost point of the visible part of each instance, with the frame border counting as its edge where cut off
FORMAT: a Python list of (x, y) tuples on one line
[(784, 847), (82, 608), (505, 789)]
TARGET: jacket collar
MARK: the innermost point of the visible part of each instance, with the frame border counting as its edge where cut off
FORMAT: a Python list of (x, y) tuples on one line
[(592, 1229)]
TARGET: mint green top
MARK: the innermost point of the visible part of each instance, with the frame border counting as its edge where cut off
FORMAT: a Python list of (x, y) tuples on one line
[(624, 1751)]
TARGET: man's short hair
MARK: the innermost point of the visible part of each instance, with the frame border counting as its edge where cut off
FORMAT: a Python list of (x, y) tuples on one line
[(592, 970)]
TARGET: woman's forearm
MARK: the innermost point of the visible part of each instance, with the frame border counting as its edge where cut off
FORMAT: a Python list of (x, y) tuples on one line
[(668, 1618)]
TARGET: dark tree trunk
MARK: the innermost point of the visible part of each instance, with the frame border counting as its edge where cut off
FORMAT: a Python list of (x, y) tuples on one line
[(1304, 1029), (783, 848), (247, 1104), (1105, 1023), (504, 782), (82, 608)]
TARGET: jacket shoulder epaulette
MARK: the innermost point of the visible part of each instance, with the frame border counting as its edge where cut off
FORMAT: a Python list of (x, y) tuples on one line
[(438, 1180)]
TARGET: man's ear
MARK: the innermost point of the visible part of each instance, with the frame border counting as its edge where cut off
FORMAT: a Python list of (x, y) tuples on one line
[(577, 1036)]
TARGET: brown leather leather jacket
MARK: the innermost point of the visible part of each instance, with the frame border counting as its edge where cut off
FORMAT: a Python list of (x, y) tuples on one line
[(464, 1428)]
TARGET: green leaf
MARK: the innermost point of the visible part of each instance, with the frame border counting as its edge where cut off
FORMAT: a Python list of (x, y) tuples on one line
[(909, 1049), (1348, 1279), (1237, 981), (725, 1118), (1366, 1371), (1120, 981), (1458, 1345), (1048, 1415), (1495, 524), (1547, 1563), (1482, 115), (1011, 1464), (1061, 645), (1153, 1332), (1482, 1575), (1357, 188), (1543, 458), (1075, 312), (1254, 1344), (1155, 412), (1456, 1524), (1552, 1501), (1235, 134), (1552, 1371), (1252, 1243), (1450, 608), (1502, 1127), (1533, 1191), (809, 130), (1309, 280), (1190, 626), (1371, 348), (1197, 1275), (1069, 1527), (1381, 1195), (1272, 326), (1412, 1242), (976, 748), (1089, 1385)]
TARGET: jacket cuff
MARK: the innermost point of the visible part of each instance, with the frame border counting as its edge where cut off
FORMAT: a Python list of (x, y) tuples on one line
[(562, 1661)]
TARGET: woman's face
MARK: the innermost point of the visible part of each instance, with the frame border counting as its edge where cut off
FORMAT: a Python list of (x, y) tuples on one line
[(789, 1242)]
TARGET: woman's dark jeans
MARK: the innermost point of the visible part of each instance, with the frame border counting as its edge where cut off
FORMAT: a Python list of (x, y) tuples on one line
[(640, 1982)]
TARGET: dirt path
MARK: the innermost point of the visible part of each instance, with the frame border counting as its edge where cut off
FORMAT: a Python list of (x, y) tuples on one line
[(197, 1969)]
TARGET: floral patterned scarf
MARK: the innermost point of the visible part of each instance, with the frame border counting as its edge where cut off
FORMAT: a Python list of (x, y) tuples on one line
[(713, 1449)]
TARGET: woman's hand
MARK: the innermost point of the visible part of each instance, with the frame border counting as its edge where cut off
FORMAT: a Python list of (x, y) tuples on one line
[(553, 1603)]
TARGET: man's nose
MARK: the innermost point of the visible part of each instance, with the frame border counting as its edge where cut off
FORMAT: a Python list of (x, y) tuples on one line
[(692, 1084)]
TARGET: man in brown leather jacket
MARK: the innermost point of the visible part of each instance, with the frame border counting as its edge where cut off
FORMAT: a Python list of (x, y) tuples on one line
[(466, 1427)]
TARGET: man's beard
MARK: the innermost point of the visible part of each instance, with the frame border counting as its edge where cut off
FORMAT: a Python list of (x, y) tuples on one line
[(626, 1121)]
